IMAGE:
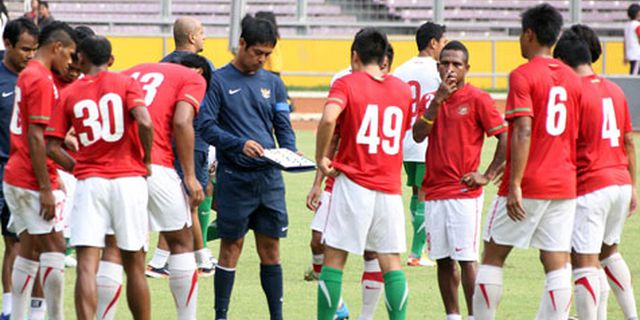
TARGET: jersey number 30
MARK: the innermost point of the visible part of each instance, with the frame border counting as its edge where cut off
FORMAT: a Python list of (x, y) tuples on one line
[(97, 118), (368, 134)]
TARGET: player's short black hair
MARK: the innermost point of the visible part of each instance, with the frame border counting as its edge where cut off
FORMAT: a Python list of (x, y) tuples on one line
[(44, 4), (83, 32), (456, 45), (591, 38), (390, 55), (57, 31), (545, 21), (429, 31), (16, 27), (258, 31), (371, 46), (97, 49), (192, 60), (269, 16), (572, 50), (632, 11)]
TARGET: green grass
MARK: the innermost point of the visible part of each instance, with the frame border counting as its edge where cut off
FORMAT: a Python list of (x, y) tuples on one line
[(523, 272)]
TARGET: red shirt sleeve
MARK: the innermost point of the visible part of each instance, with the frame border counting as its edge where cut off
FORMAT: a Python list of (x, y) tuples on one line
[(40, 101), (135, 95), (627, 118), (424, 102), (339, 93), (193, 90), (489, 116), (59, 124), (519, 102), (638, 31)]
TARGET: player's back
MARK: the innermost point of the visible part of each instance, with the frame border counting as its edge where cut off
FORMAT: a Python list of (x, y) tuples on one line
[(550, 92), (372, 126), (601, 156), (164, 84), (99, 108), (421, 74)]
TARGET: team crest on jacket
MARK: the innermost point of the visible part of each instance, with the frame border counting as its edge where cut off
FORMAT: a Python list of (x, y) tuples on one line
[(463, 109), (266, 93)]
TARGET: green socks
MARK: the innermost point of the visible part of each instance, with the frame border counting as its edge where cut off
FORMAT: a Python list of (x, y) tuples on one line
[(204, 210), (69, 249), (396, 292), (212, 231), (329, 292), (419, 232)]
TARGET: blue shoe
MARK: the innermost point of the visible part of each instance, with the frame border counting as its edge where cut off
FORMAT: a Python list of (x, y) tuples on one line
[(5, 316), (157, 273), (343, 312)]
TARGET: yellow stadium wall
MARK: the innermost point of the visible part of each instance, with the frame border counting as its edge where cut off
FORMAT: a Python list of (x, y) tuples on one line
[(332, 55)]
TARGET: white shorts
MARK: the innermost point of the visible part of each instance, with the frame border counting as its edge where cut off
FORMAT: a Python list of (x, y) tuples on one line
[(168, 205), (24, 205), (69, 182), (453, 228), (361, 219), (322, 213), (111, 206), (546, 226), (600, 217)]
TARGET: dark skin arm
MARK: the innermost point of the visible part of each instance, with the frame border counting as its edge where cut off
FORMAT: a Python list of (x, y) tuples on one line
[(145, 133), (325, 133), (476, 179), (38, 153), (520, 144), (630, 148), (184, 135), (313, 197), (59, 155), (422, 129)]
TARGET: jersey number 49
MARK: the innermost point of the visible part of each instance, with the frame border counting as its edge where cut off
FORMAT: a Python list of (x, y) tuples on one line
[(392, 127)]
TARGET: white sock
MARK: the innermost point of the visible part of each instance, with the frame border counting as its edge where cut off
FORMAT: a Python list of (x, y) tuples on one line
[(52, 280), (109, 284), (23, 276), (556, 299), (604, 295), (454, 317), (6, 303), (38, 309), (587, 290), (183, 280), (159, 259), (487, 293), (470, 318), (620, 282), (372, 288), (203, 258)]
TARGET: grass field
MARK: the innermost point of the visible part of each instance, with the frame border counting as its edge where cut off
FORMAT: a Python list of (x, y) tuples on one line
[(523, 273)]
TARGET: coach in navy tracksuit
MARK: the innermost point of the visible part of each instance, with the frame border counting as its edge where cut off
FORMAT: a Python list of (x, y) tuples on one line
[(249, 106)]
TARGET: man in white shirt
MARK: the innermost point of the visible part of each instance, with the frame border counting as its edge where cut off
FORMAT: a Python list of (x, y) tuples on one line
[(631, 41), (421, 73)]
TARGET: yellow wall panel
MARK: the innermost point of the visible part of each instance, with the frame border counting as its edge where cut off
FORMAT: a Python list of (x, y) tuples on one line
[(130, 51)]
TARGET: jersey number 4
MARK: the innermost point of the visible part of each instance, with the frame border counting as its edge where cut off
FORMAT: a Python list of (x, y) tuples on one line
[(368, 134), (609, 126), (98, 119)]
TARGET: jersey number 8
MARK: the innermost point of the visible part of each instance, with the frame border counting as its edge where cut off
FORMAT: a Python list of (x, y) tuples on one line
[(391, 129), (97, 118)]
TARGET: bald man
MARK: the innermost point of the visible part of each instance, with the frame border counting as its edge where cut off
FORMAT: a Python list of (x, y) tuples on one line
[(188, 35)]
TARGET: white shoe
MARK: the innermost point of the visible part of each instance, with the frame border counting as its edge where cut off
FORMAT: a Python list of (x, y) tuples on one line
[(70, 262)]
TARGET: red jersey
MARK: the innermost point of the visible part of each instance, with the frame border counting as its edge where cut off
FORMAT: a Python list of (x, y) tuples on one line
[(455, 142), (99, 109), (372, 126), (601, 155), (36, 94), (164, 85), (549, 92)]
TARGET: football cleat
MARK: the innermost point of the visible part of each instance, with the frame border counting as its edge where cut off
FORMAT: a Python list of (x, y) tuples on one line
[(343, 312), (310, 275), (422, 262), (69, 262), (206, 272), (157, 273), (5, 316)]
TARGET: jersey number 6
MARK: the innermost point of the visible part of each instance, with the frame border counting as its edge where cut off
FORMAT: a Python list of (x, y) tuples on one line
[(368, 134), (557, 111)]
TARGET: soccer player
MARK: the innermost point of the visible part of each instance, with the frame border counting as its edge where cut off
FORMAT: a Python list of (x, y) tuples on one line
[(373, 123), (632, 39), (457, 118), (188, 35), (30, 180), (108, 113), (606, 181), (20, 39), (536, 203), (249, 106), (421, 73), (318, 201), (173, 94)]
